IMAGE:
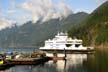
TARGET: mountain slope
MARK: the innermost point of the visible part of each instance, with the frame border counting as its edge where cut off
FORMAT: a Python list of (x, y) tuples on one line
[(94, 29), (30, 34)]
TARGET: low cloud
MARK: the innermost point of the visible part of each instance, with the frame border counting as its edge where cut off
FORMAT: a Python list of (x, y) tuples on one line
[(4, 23), (65, 10), (46, 9)]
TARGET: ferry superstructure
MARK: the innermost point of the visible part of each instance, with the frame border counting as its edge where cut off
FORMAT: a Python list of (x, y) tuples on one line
[(62, 42)]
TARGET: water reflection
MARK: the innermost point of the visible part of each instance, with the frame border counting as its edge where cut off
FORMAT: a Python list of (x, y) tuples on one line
[(73, 63), (20, 68), (97, 62)]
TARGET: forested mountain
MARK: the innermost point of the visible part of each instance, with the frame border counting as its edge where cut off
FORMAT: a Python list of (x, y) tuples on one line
[(94, 29), (34, 34)]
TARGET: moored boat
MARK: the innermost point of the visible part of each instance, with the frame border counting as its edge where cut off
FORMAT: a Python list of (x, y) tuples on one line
[(4, 64), (62, 42)]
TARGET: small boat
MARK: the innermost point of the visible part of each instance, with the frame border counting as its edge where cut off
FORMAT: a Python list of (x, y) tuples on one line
[(4, 64)]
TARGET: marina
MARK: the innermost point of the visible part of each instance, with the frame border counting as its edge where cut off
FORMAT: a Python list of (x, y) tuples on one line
[(52, 65), (72, 62), (55, 49), (34, 58)]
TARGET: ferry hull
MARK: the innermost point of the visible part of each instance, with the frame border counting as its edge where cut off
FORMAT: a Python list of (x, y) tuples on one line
[(69, 51)]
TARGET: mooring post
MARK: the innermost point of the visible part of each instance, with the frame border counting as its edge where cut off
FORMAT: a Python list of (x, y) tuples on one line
[(65, 52), (55, 54)]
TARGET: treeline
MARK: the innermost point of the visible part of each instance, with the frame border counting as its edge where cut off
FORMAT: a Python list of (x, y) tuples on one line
[(94, 29)]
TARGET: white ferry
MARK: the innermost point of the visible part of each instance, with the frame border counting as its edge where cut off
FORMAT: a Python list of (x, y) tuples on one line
[(62, 43)]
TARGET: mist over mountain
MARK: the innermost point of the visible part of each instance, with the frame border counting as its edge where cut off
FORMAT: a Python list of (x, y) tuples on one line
[(4, 23), (34, 34), (94, 29)]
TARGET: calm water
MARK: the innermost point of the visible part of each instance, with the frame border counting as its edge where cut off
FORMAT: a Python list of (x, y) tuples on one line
[(97, 62), (17, 49)]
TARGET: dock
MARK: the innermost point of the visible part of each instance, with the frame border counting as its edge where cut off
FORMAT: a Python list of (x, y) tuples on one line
[(29, 61), (34, 58)]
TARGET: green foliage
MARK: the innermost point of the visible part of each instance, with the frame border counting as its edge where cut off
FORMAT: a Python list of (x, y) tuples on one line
[(94, 27)]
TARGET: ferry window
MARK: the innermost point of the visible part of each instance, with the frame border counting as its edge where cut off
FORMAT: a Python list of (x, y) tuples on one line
[(68, 45), (77, 45), (69, 41)]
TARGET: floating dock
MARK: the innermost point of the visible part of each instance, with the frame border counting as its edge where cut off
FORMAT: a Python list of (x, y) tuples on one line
[(29, 61)]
